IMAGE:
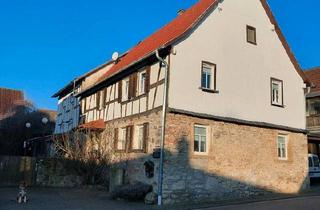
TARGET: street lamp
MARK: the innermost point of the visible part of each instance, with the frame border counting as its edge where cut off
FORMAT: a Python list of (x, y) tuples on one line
[(44, 120)]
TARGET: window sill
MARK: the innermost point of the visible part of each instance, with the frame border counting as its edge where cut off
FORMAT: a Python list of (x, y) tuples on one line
[(209, 90), (253, 43), (137, 151), (278, 105), (200, 154)]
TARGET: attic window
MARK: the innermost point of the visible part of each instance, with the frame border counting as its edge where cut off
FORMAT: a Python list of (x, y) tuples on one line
[(251, 35)]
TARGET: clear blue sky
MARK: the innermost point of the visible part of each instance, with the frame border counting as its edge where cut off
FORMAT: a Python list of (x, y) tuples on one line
[(46, 43)]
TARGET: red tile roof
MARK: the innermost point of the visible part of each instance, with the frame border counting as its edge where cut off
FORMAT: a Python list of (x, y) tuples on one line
[(94, 125), (163, 37), (179, 27), (314, 76)]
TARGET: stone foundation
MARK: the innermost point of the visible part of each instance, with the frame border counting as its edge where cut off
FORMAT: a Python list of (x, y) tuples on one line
[(241, 161)]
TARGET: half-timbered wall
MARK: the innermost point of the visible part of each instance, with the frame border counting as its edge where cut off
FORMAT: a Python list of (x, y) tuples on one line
[(108, 104), (68, 114)]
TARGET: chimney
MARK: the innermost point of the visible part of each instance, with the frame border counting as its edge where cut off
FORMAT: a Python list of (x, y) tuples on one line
[(181, 11)]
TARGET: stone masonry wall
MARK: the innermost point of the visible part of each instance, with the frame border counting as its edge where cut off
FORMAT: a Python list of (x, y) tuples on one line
[(133, 162), (241, 162)]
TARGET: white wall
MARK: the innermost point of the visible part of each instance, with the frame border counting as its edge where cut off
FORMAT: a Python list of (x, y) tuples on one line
[(243, 70)]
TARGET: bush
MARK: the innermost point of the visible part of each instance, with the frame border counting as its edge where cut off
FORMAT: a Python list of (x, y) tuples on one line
[(132, 192)]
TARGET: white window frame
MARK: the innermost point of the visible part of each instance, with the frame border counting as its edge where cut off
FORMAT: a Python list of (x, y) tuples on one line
[(208, 69), (142, 82), (281, 146), (207, 140), (139, 133), (277, 95), (126, 88), (122, 139)]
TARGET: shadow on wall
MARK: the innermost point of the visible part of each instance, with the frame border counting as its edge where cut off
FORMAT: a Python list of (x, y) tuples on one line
[(189, 179), (13, 130)]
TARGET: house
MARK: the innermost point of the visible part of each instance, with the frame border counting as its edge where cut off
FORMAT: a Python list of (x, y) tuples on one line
[(235, 121), (313, 111), (69, 115), (9, 99)]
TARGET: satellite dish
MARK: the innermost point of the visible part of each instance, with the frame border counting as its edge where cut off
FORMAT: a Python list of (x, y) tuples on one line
[(115, 56)]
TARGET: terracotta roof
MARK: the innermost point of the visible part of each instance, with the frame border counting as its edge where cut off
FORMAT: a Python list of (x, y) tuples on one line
[(175, 30), (314, 76), (94, 125), (163, 37)]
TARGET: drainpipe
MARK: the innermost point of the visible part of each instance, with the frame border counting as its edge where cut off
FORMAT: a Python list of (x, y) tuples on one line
[(163, 123)]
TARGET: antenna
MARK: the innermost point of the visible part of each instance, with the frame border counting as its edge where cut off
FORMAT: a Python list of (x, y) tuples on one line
[(115, 56)]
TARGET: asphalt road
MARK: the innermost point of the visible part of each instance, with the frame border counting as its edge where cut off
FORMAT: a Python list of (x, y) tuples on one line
[(80, 199), (301, 203)]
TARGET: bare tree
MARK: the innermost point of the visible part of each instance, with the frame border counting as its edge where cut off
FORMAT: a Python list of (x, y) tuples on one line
[(91, 150)]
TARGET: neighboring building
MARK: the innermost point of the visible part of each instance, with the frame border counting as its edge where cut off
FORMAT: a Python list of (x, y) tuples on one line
[(236, 123), (9, 99), (69, 116), (313, 111)]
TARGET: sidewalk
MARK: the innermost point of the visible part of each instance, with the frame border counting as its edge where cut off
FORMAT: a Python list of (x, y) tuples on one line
[(314, 191)]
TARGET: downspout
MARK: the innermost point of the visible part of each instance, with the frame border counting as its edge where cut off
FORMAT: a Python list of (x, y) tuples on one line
[(163, 124)]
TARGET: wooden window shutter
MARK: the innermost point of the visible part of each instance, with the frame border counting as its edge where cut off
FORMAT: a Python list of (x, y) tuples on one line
[(129, 137), (147, 82), (104, 97), (85, 105), (145, 137), (116, 133), (120, 91), (98, 100), (134, 84)]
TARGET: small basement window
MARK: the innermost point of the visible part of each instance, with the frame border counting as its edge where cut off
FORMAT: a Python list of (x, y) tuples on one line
[(251, 35)]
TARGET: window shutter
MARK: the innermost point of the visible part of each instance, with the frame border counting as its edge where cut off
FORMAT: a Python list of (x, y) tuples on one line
[(120, 91), (98, 100), (130, 87), (104, 97), (147, 82), (116, 132), (129, 136), (145, 137), (134, 84)]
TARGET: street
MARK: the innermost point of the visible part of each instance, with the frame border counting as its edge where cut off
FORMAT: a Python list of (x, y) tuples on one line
[(91, 199)]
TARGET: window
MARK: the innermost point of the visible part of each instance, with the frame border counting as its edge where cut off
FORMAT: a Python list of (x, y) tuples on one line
[(313, 107), (200, 139), (126, 86), (121, 144), (251, 35), (138, 140), (315, 161), (282, 147), (208, 76), (276, 92), (142, 82)]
